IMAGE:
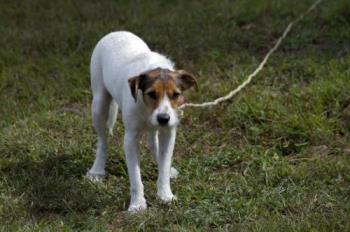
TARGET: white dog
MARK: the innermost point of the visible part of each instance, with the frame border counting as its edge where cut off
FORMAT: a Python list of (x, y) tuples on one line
[(125, 73)]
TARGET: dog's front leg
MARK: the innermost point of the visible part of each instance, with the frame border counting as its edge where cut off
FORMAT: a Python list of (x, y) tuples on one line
[(166, 148), (132, 152), (153, 145)]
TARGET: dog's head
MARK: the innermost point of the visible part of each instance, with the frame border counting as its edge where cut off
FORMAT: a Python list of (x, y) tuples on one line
[(162, 93)]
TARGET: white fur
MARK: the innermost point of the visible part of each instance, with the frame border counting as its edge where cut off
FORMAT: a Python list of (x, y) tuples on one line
[(117, 57)]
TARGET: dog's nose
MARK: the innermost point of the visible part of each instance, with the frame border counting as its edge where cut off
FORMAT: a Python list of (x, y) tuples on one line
[(163, 119)]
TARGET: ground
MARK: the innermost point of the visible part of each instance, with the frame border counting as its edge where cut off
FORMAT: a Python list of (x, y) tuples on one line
[(275, 158)]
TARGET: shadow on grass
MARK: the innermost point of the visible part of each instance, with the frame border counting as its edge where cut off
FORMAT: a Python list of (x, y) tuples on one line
[(55, 185)]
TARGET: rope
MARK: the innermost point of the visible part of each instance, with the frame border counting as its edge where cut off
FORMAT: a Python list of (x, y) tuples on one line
[(261, 65)]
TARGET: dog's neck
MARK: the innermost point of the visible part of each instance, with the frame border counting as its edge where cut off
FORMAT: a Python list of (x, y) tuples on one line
[(149, 61)]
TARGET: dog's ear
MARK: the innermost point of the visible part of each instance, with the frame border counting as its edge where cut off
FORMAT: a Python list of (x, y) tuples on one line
[(134, 84), (186, 80)]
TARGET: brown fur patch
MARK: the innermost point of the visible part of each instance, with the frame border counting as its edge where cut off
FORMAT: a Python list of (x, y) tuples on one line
[(161, 82), (157, 83)]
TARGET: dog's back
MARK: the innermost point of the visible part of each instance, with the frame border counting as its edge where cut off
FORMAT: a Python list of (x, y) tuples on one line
[(115, 49), (119, 56), (109, 60), (122, 46)]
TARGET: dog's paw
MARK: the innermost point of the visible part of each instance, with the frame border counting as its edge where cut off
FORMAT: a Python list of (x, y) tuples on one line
[(137, 206), (173, 173), (95, 177), (166, 197)]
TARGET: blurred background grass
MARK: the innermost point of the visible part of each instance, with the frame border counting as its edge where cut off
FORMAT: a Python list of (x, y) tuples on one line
[(275, 158)]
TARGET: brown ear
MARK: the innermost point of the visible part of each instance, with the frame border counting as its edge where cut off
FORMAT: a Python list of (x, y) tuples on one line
[(185, 80), (134, 84)]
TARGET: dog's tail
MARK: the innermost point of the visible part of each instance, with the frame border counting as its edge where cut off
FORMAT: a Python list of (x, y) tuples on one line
[(112, 116)]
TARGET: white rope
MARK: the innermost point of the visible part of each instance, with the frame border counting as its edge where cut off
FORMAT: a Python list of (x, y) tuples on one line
[(259, 68)]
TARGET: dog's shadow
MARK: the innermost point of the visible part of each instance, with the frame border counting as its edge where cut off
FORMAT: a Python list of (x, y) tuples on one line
[(57, 185)]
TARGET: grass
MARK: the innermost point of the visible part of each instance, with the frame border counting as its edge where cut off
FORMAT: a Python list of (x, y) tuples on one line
[(275, 158)]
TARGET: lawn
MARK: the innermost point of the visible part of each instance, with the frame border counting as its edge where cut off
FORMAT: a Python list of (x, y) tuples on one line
[(274, 158)]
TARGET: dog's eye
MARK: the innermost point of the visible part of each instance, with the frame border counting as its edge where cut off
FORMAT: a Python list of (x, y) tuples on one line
[(152, 94), (175, 95)]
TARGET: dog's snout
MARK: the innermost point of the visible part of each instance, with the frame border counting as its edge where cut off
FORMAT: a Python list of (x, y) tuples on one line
[(163, 119)]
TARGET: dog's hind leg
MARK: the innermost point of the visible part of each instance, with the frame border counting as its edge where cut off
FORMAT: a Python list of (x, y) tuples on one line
[(173, 173), (112, 116), (100, 107)]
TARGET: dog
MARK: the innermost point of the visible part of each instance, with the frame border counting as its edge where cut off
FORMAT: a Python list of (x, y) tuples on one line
[(146, 87)]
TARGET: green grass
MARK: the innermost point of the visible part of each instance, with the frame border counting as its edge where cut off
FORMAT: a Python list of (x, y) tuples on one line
[(275, 158)]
